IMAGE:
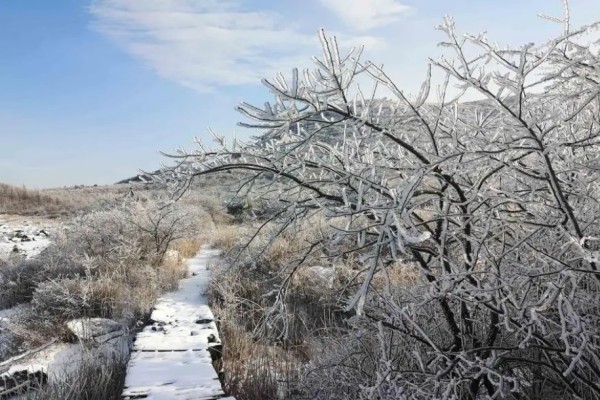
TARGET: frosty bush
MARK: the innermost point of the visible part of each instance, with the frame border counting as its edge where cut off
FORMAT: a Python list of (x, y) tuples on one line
[(138, 229), (495, 202), (20, 277)]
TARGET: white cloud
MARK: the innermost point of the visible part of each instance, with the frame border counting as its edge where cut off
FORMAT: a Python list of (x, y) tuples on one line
[(209, 43), (366, 14)]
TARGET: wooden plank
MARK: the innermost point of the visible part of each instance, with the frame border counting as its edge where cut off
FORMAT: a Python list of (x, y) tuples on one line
[(170, 358)]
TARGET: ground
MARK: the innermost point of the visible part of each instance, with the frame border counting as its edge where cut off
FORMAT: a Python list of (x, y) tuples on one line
[(28, 235)]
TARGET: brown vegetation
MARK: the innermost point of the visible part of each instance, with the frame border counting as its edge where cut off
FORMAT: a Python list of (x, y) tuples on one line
[(63, 202), (23, 201)]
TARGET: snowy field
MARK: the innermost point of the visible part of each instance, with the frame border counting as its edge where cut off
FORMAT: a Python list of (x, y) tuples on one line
[(24, 235)]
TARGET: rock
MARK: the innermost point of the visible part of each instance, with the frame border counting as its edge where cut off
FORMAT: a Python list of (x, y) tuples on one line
[(97, 330), (15, 249), (18, 380)]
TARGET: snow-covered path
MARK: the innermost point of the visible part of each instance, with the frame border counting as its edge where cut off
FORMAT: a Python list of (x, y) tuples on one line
[(170, 358)]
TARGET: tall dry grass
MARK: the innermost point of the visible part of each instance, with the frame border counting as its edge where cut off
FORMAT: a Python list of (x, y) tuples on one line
[(65, 202), (254, 369), (259, 365), (97, 378), (23, 201)]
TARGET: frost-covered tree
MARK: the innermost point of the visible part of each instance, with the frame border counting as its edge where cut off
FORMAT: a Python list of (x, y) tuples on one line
[(495, 201)]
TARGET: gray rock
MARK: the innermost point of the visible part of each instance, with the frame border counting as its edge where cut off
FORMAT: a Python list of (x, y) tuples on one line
[(95, 329)]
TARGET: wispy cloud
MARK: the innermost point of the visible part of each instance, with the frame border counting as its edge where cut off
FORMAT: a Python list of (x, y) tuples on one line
[(200, 44), (366, 14), (209, 43)]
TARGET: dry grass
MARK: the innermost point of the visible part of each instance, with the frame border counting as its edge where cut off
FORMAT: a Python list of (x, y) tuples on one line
[(23, 201), (173, 267), (398, 275), (258, 363), (64, 202), (254, 370), (225, 236), (188, 247), (219, 217), (97, 378)]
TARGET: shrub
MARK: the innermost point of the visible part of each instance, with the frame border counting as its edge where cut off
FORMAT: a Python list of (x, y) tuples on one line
[(20, 277), (18, 280), (67, 299)]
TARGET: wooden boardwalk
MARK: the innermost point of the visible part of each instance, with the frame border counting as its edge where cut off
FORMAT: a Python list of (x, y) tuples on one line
[(171, 358)]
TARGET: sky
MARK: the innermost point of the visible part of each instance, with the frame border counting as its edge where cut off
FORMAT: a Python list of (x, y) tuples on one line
[(92, 90)]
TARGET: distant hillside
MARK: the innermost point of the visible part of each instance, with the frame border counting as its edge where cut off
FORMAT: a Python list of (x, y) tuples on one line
[(139, 178)]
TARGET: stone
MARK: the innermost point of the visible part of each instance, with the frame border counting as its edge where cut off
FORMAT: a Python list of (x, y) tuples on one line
[(97, 330)]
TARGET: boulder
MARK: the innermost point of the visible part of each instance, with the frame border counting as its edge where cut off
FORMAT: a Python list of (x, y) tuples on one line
[(95, 330)]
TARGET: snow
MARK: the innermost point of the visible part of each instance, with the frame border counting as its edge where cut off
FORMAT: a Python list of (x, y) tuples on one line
[(54, 359), (170, 358), (35, 231), (31, 368)]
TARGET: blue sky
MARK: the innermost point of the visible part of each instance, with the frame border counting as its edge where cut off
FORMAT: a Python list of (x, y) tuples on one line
[(90, 90)]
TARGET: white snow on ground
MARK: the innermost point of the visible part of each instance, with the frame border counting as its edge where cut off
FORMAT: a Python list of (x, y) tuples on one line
[(53, 359), (170, 358), (55, 354), (64, 359), (27, 236)]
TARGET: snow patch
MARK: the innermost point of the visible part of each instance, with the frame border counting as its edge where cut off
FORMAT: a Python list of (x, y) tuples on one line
[(21, 236)]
